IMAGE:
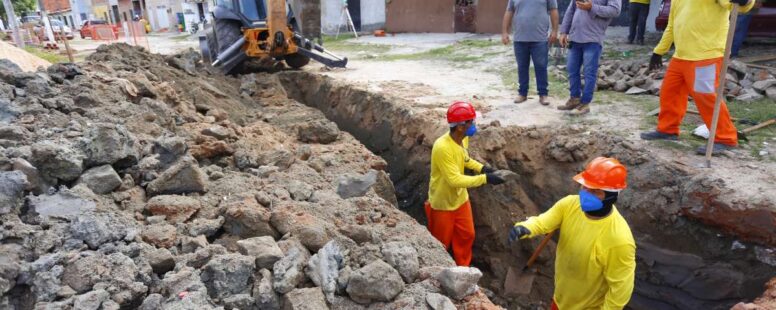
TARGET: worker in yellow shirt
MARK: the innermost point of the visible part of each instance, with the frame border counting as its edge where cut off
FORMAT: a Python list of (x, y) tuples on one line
[(698, 31), (637, 13), (596, 255), (448, 210)]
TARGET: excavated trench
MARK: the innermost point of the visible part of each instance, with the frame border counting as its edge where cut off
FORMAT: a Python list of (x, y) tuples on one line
[(685, 259)]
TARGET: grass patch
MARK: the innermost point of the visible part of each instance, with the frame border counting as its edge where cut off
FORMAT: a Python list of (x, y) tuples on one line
[(756, 112), (180, 38), (52, 57)]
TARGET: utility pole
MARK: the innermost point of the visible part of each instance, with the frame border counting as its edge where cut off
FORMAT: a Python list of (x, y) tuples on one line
[(12, 23), (46, 23)]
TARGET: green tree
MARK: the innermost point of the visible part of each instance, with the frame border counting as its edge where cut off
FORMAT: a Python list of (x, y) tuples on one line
[(20, 7)]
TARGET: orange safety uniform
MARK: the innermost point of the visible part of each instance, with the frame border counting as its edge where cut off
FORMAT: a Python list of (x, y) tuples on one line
[(448, 209), (698, 30)]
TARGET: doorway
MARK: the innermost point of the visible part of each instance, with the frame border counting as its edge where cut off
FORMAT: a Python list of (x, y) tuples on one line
[(465, 16), (354, 8)]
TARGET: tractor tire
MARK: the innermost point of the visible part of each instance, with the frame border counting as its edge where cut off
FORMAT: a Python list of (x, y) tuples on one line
[(209, 48), (296, 60), (227, 32)]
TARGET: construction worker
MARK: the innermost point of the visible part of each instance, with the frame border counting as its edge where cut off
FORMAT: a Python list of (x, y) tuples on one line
[(596, 255), (698, 30), (448, 209), (742, 28), (637, 12), (583, 30)]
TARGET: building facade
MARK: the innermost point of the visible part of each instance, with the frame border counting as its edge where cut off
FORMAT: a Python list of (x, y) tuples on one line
[(367, 15)]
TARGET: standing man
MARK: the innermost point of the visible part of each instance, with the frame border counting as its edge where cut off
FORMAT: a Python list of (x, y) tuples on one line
[(638, 11), (742, 28), (698, 31), (596, 254), (583, 30), (448, 210), (531, 23)]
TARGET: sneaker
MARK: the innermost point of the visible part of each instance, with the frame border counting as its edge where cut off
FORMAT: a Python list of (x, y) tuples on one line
[(582, 109), (544, 100), (571, 104), (656, 135), (520, 99), (717, 149)]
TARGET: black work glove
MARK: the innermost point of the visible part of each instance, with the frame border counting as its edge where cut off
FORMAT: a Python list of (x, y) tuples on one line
[(740, 2), (494, 179), (656, 62), (518, 232), (487, 169)]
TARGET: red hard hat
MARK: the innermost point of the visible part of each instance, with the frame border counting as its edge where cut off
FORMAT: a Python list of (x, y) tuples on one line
[(603, 173), (460, 111)]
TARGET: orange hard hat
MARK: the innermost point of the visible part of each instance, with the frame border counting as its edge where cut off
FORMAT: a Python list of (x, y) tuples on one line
[(460, 111), (603, 173)]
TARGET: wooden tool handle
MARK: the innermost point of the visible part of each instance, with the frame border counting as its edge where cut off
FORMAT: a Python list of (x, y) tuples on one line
[(760, 125), (538, 250)]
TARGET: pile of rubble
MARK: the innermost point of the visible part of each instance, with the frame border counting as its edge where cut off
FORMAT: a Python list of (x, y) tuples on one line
[(633, 77), (135, 180)]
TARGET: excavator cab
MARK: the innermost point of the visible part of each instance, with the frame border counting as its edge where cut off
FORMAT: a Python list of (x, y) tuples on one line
[(245, 29)]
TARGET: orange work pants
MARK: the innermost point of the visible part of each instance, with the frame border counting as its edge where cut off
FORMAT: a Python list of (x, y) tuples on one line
[(454, 227), (698, 79)]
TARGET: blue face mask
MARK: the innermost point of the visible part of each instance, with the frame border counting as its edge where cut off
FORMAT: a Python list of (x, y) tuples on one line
[(589, 201), (471, 131)]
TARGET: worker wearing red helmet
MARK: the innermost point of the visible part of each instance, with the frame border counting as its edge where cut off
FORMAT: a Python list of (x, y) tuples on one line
[(596, 255), (448, 209)]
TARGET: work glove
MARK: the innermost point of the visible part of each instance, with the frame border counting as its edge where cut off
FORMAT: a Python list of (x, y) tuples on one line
[(740, 2), (487, 169), (518, 232), (494, 179), (656, 62)]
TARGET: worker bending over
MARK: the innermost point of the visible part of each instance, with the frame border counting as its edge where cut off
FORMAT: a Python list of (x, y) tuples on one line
[(448, 210), (698, 31), (596, 254)]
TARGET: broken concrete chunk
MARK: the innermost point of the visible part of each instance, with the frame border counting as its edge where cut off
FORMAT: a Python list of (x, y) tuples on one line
[(300, 191), (323, 268), (152, 302), (459, 282), (771, 93), (33, 175), (761, 86), (91, 300), (246, 218), (402, 256), (101, 180), (65, 204), (288, 272), (263, 293), (439, 302), (98, 228), (160, 235), (161, 260), (635, 91), (176, 209), (356, 186), (376, 281), (264, 249), (318, 131), (182, 178), (218, 132), (239, 301), (12, 185), (304, 299), (56, 161), (109, 144), (228, 274), (207, 227)]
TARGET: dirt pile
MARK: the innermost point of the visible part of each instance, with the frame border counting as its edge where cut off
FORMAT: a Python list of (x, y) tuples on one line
[(634, 78), (135, 180), (702, 245), (26, 61)]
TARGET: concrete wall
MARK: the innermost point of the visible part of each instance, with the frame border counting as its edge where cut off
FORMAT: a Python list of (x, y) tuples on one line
[(309, 16), (372, 15), (419, 16), (489, 15)]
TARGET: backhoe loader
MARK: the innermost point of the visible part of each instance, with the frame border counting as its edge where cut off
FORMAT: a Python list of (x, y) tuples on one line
[(244, 29)]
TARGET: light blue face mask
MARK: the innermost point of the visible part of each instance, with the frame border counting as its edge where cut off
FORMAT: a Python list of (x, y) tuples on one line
[(472, 130), (589, 201)]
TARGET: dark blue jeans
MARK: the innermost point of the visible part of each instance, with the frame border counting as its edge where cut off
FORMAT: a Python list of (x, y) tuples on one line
[(742, 27), (524, 53), (583, 55), (638, 21)]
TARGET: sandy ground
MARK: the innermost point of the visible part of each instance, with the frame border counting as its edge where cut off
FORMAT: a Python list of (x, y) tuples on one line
[(25, 60), (161, 43), (435, 83)]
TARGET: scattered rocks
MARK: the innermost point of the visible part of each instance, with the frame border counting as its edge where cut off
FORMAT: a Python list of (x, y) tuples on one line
[(439, 302), (323, 268), (459, 282), (264, 249), (160, 235), (182, 178), (402, 256), (264, 293), (218, 132), (101, 180), (109, 144), (288, 271), (318, 131), (228, 274), (304, 299), (91, 300), (299, 190), (12, 185), (98, 228), (56, 161), (64, 204), (176, 209), (161, 260), (356, 186), (635, 91), (376, 281), (246, 218)]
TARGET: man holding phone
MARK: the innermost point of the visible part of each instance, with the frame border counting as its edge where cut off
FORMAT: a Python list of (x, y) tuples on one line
[(583, 31)]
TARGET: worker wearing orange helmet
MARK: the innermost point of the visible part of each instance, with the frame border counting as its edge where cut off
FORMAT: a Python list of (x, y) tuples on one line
[(596, 255), (448, 209)]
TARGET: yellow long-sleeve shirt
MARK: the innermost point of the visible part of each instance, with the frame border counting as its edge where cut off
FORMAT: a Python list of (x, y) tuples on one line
[(698, 28), (640, 1), (596, 259), (447, 188)]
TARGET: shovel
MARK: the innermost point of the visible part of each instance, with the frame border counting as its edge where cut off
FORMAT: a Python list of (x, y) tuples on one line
[(742, 133), (520, 282)]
